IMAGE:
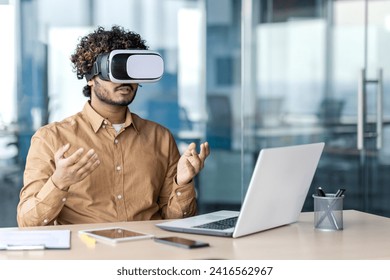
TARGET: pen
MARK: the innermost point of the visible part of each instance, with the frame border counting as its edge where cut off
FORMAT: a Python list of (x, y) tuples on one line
[(339, 193), (320, 192), (12, 247)]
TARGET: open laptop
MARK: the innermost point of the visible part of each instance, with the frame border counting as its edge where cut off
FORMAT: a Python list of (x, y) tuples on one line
[(277, 191)]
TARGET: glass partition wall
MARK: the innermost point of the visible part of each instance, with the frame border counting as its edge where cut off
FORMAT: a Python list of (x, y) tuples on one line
[(241, 74), (318, 71)]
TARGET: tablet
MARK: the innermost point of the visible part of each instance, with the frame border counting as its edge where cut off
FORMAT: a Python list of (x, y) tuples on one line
[(115, 234)]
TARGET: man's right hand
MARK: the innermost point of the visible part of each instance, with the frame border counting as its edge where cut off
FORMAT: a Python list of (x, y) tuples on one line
[(74, 168)]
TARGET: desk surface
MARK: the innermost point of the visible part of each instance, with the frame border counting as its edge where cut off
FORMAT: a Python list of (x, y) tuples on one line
[(365, 236)]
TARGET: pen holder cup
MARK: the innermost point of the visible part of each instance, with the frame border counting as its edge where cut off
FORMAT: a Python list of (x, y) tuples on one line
[(328, 212)]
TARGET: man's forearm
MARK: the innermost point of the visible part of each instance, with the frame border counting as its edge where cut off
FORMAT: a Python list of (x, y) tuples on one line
[(40, 208)]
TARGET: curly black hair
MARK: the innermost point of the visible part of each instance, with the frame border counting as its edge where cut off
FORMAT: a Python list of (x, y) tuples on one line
[(101, 41)]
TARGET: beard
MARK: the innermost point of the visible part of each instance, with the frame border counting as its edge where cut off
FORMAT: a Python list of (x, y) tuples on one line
[(104, 95)]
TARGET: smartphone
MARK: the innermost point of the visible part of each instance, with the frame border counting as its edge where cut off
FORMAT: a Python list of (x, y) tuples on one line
[(181, 242), (115, 234)]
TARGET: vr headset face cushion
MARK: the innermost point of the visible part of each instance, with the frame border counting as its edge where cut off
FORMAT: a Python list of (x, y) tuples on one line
[(102, 66)]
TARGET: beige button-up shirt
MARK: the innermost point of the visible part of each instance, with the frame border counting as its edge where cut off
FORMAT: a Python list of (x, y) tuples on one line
[(136, 178)]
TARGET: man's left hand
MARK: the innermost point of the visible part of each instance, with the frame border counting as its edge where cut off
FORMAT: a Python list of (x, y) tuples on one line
[(190, 163)]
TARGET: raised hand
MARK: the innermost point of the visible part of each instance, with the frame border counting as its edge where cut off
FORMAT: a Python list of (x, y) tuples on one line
[(74, 168), (190, 163)]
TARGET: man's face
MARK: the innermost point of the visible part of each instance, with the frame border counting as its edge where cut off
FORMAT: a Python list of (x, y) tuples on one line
[(112, 93)]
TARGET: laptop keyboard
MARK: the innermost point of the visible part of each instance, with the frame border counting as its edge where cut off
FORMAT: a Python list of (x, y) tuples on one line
[(221, 224)]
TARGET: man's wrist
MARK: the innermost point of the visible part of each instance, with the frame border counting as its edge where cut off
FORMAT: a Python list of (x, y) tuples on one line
[(57, 185), (181, 183)]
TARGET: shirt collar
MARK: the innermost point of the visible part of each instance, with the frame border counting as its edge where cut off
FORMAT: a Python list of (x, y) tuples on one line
[(97, 120)]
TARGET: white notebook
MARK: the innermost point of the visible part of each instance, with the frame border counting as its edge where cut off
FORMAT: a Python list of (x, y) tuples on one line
[(20, 239)]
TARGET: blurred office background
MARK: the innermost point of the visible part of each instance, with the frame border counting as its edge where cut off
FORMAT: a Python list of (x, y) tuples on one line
[(241, 74)]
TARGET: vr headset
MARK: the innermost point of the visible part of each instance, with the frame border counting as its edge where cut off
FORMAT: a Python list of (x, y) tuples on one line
[(128, 66)]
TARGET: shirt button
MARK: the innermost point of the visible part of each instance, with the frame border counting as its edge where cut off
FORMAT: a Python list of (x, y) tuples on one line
[(105, 122), (45, 221), (178, 193), (104, 126), (185, 213), (118, 168), (64, 199), (119, 196), (116, 141)]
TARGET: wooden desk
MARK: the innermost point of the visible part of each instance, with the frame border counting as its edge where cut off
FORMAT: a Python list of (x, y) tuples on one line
[(365, 236)]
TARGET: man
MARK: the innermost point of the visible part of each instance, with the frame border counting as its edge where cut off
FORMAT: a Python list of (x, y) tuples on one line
[(106, 164)]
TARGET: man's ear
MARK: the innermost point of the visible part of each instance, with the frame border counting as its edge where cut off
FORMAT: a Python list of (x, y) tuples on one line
[(90, 83)]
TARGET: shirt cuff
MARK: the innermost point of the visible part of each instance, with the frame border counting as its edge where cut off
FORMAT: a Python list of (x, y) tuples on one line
[(51, 194), (184, 194)]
